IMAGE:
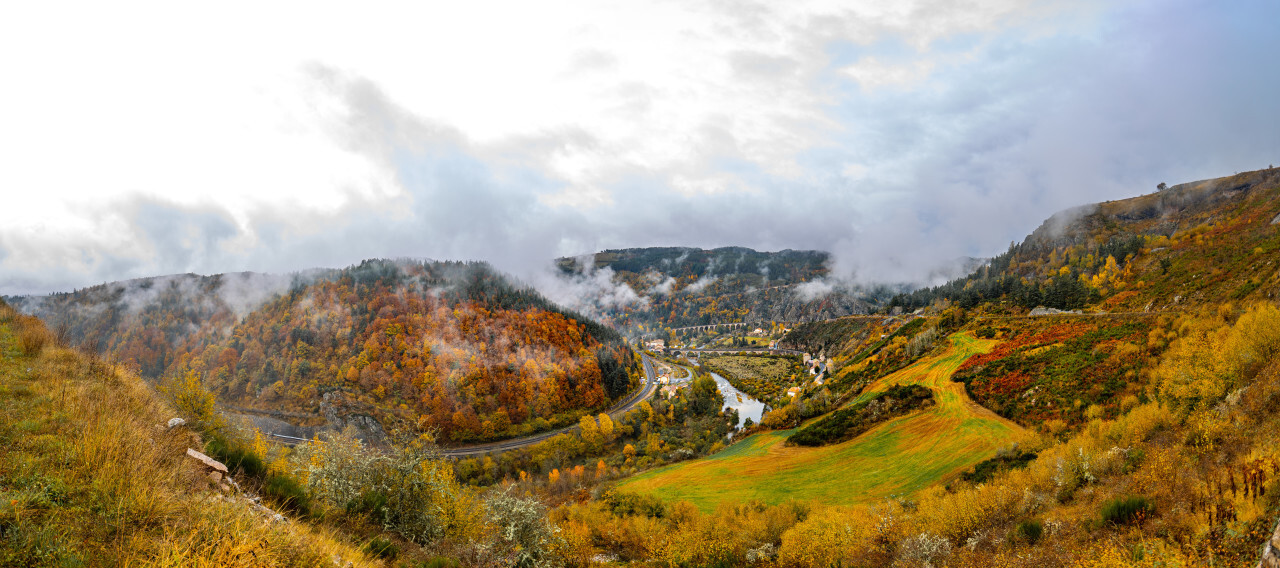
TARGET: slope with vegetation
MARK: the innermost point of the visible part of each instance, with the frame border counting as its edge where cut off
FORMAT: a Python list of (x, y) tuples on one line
[(89, 477), (1149, 439), (904, 454), (658, 431), (1206, 241), (689, 286), (1061, 371), (847, 423), (447, 346), (1154, 443), (92, 472), (1189, 478)]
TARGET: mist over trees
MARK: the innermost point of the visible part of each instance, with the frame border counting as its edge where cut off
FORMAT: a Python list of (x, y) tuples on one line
[(455, 347)]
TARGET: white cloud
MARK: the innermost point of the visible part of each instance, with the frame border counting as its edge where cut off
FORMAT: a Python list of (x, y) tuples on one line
[(872, 73), (813, 289), (150, 138), (700, 285)]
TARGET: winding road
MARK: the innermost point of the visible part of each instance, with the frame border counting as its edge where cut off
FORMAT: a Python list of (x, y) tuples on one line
[(643, 393)]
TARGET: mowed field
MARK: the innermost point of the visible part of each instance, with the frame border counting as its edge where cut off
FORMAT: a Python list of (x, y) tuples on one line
[(898, 457)]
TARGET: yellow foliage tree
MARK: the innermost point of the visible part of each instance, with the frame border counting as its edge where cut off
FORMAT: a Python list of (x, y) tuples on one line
[(194, 402), (590, 433), (607, 428)]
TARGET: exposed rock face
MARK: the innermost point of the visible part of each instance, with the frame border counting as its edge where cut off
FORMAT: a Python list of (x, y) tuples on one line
[(1043, 311), (176, 422), (339, 413), (1271, 552), (1276, 221)]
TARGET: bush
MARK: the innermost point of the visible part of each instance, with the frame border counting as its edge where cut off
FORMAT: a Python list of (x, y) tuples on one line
[(383, 548), (288, 493), (191, 399), (1127, 510), (848, 423), (372, 503), (1030, 531), (633, 504), (1005, 460), (526, 536), (235, 456), (33, 336), (407, 489)]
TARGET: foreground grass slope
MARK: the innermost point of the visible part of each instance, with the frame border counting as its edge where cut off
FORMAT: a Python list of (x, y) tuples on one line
[(89, 477), (1188, 474), (898, 457)]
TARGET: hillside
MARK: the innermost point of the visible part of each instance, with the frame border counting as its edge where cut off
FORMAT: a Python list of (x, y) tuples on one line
[(1200, 242), (690, 286), (900, 456), (1134, 431), (90, 477), (452, 347)]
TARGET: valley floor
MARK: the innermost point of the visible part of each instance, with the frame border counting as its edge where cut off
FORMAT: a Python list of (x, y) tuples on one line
[(898, 457)]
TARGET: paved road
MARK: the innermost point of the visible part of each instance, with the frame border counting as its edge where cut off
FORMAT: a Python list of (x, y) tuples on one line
[(641, 395), (645, 391)]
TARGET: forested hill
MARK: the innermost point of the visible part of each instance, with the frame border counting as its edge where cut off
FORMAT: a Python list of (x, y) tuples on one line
[(1207, 241), (761, 269), (452, 346), (691, 286)]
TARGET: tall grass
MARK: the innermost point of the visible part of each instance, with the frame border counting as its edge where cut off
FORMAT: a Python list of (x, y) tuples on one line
[(33, 337), (89, 474)]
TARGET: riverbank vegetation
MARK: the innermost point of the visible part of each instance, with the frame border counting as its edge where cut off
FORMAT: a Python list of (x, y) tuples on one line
[(765, 377)]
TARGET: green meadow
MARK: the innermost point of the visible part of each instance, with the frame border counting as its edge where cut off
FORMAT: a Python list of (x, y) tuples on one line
[(898, 457)]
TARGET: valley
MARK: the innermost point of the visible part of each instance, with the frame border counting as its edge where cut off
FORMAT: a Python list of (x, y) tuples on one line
[(899, 457), (1100, 394)]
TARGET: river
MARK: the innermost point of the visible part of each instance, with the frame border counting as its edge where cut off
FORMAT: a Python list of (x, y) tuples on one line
[(746, 406)]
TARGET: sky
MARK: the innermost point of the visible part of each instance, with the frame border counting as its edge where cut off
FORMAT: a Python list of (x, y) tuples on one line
[(145, 139)]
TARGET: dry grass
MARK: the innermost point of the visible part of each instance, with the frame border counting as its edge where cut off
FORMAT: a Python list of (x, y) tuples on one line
[(33, 337), (88, 474)]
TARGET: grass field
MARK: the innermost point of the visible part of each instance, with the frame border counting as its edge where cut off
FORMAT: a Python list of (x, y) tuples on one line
[(898, 457)]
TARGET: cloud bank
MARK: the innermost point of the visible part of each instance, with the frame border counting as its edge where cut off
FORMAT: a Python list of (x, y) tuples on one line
[(900, 139)]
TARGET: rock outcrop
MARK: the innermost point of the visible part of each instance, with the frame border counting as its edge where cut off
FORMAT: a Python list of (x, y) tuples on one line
[(1043, 311), (1271, 551), (215, 470)]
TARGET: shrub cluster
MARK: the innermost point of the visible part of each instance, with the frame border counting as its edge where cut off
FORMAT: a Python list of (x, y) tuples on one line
[(1127, 510), (848, 423), (1005, 460)]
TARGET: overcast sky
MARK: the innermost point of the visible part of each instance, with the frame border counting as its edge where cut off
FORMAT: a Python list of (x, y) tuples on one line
[(140, 140)]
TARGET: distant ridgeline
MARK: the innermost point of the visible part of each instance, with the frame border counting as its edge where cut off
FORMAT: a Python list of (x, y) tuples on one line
[(451, 346), (1204, 241), (691, 286)]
